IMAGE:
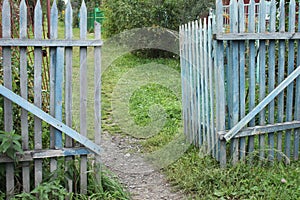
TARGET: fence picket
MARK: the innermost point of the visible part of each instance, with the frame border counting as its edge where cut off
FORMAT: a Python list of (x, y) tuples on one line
[(211, 94), (7, 73), (97, 97), (242, 83), (281, 64), (38, 163), (185, 78), (203, 122), (68, 82), (262, 74), (220, 86), (83, 95), (290, 89), (234, 87), (205, 72), (252, 57), (198, 102), (53, 70), (24, 94), (216, 117), (193, 83), (271, 78), (190, 82)]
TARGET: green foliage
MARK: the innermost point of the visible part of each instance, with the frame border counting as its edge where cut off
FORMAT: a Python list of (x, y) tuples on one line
[(122, 15), (10, 144), (127, 14), (46, 190), (203, 178)]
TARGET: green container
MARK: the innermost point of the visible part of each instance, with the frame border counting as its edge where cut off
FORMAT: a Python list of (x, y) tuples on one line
[(92, 16)]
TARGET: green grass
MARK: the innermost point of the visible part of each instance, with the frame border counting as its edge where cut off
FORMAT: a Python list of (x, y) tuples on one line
[(204, 179), (199, 177)]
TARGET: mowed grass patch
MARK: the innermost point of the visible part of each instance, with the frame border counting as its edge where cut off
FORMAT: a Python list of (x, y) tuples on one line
[(140, 103), (146, 96)]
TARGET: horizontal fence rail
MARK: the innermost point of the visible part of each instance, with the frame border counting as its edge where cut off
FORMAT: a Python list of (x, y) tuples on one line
[(47, 125), (240, 78)]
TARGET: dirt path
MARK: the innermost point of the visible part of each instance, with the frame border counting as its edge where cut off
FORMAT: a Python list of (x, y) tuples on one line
[(138, 176)]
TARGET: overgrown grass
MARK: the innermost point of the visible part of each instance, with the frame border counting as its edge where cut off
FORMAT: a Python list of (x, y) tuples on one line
[(204, 179), (198, 176)]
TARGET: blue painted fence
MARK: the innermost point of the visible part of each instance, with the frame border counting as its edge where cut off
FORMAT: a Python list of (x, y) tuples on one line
[(62, 135), (241, 84)]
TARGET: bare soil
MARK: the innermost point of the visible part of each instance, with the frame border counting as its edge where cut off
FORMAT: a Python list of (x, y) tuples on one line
[(120, 154)]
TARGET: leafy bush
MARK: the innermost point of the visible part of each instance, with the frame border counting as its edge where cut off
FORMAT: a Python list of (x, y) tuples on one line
[(128, 14), (122, 15)]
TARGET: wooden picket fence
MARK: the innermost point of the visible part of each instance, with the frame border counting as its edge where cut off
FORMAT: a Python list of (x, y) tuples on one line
[(62, 136), (241, 85)]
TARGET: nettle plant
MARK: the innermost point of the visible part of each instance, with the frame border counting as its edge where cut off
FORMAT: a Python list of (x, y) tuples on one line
[(10, 144)]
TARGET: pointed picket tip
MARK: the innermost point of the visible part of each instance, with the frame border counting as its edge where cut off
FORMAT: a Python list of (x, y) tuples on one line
[(6, 22), (23, 19), (292, 3), (38, 6), (23, 4), (54, 6), (5, 8), (241, 3), (69, 6), (83, 6)]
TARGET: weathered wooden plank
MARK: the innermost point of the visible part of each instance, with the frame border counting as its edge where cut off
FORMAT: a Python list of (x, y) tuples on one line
[(220, 87), (24, 94), (53, 70), (262, 74), (281, 65), (214, 90), (270, 128), (252, 57), (234, 77), (290, 88), (262, 104), (182, 66), (242, 84), (97, 97), (206, 100), (190, 84), (271, 78), (8, 42), (195, 106), (193, 84), (219, 16), (211, 89), (49, 119), (201, 70), (30, 155), (7, 80), (242, 80), (198, 102), (38, 164), (258, 36), (83, 95), (185, 68), (60, 53), (68, 82)]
